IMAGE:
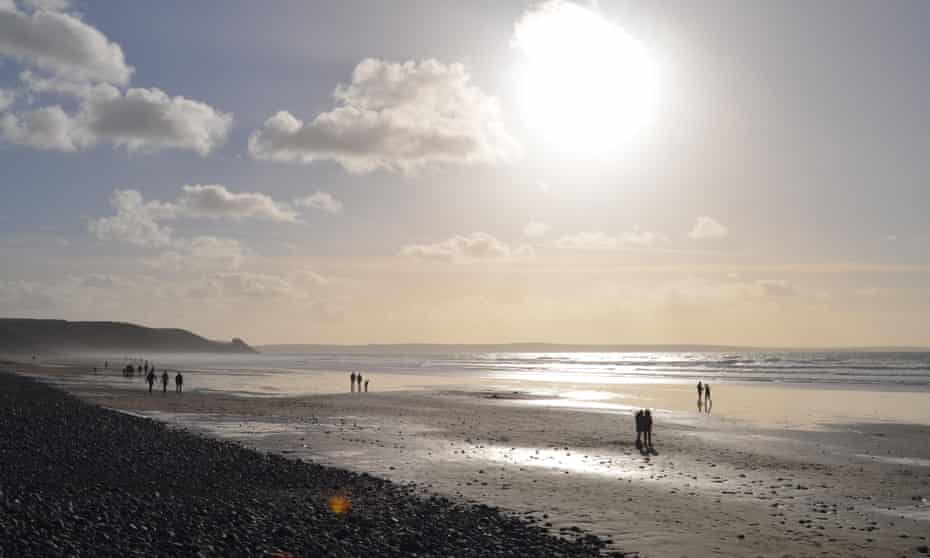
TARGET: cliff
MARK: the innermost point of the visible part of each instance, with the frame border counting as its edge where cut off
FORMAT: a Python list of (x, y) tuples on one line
[(60, 336)]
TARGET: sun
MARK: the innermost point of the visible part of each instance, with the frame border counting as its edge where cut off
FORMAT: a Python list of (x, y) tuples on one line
[(585, 87)]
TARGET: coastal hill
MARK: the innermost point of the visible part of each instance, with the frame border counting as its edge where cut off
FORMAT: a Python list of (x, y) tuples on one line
[(59, 336)]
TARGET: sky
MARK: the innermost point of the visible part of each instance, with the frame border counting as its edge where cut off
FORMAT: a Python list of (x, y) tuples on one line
[(612, 172)]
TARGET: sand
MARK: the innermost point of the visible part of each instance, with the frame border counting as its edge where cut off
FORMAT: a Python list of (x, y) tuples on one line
[(772, 471)]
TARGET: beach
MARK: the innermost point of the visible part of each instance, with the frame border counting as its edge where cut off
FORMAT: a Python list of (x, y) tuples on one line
[(771, 471), (80, 480)]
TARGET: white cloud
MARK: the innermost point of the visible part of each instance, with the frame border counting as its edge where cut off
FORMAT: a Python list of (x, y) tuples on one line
[(535, 229), (133, 222), (322, 201), (140, 120), (706, 228), (137, 221), (66, 57), (215, 201), (396, 117), (601, 242), (476, 247), (61, 44), (148, 119), (45, 128)]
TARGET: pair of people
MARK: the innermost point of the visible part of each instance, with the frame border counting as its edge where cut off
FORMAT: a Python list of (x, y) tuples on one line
[(705, 388), (706, 404), (644, 430), (355, 377)]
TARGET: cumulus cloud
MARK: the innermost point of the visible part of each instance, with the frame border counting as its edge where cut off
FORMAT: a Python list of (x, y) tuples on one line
[(148, 119), (137, 220), (133, 223), (215, 201), (322, 201), (601, 242), (45, 128), (706, 228), (397, 117), (140, 120), (66, 57), (61, 43), (535, 229), (476, 247)]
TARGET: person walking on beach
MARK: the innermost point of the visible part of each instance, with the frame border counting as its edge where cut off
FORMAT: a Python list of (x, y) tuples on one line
[(647, 428), (359, 380), (700, 390), (164, 381), (150, 379), (707, 393), (178, 382), (352, 379), (639, 429), (366, 386)]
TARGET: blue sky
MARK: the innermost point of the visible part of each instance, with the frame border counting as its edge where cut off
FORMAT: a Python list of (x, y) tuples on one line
[(746, 172)]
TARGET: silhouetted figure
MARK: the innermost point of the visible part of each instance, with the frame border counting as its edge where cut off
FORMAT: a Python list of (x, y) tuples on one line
[(178, 382), (366, 386), (164, 381), (700, 390), (150, 378), (359, 380), (647, 428), (706, 393), (139, 370), (106, 364), (95, 370), (639, 429), (352, 380)]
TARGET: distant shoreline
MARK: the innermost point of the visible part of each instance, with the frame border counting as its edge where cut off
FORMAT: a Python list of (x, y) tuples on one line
[(558, 348)]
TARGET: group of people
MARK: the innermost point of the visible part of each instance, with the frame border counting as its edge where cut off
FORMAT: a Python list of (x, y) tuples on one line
[(356, 378), (178, 381), (704, 404), (644, 431), (141, 368), (147, 371)]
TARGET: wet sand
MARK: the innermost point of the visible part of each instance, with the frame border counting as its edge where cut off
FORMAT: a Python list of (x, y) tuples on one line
[(757, 479)]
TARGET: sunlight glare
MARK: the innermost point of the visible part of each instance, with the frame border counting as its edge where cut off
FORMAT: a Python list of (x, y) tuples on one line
[(584, 85)]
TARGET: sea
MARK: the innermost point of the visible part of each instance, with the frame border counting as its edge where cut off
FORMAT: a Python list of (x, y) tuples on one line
[(283, 373)]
